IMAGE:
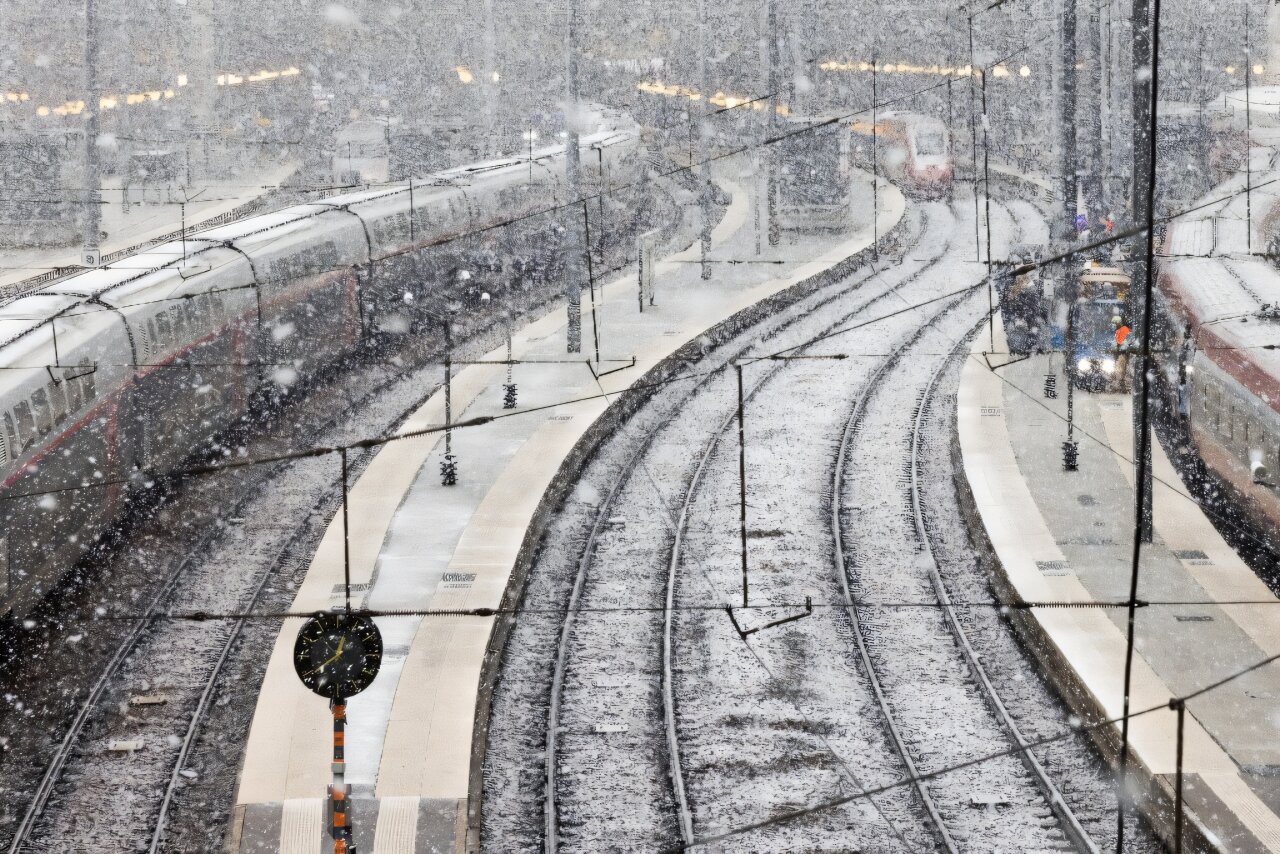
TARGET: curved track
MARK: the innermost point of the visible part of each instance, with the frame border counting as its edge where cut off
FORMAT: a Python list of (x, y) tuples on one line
[(584, 565), (701, 721)]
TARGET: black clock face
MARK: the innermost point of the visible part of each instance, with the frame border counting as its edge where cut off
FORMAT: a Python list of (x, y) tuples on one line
[(338, 654)]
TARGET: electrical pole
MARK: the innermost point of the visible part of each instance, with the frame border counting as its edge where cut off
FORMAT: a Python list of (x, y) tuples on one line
[(1248, 137), (875, 163), (1065, 230), (490, 80), (704, 168), (771, 155), (1144, 93), (91, 255), (573, 236), (1094, 166)]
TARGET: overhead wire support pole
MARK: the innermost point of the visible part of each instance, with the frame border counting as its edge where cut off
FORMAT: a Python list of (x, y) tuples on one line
[(986, 201), (742, 483), (704, 168), (572, 168), (1248, 137), (1181, 707), (875, 163), (90, 253), (591, 279), (1146, 44), (771, 124), (973, 130)]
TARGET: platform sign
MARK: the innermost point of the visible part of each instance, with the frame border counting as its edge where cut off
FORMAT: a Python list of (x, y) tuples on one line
[(91, 257), (646, 252)]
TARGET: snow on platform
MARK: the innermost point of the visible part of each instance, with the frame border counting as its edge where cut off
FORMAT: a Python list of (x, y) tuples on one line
[(1061, 536), (416, 544)]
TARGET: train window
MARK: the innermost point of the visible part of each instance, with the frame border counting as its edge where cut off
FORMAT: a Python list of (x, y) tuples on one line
[(10, 436), (151, 344), (26, 425), (164, 334), (193, 318), (88, 381), (44, 416), (71, 385), (57, 401), (179, 320)]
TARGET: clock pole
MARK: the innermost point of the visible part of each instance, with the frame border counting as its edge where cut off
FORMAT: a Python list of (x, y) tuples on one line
[(341, 826)]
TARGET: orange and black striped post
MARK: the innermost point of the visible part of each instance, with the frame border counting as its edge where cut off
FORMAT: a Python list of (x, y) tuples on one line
[(341, 828)]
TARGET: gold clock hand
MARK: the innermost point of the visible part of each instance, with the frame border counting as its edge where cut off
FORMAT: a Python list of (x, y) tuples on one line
[(341, 642)]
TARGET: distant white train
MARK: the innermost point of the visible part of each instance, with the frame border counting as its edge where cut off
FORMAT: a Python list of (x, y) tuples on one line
[(113, 377)]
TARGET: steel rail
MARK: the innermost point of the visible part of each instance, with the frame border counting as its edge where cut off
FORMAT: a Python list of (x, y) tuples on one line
[(550, 800), (851, 606), (1071, 826), (669, 610)]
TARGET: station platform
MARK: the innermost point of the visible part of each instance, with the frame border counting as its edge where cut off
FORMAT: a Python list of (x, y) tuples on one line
[(416, 544), (1067, 537)]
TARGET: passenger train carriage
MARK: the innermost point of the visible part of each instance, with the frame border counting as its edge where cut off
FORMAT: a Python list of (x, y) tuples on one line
[(118, 375), (1218, 339)]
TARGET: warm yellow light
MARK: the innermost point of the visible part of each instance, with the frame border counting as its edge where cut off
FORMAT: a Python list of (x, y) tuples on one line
[(1024, 71), (42, 111), (1257, 69), (999, 71), (23, 96), (108, 102), (11, 97), (464, 74), (496, 77), (168, 93), (135, 98), (1231, 69), (182, 80), (290, 72)]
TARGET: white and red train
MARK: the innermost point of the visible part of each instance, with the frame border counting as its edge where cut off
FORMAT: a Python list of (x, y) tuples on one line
[(117, 376), (1220, 333), (913, 150)]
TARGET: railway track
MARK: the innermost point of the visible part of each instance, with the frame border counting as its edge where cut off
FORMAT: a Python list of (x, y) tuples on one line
[(655, 700), (682, 812), (586, 562), (875, 635)]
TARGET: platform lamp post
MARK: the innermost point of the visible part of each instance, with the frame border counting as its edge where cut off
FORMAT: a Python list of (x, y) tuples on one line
[(449, 465), (91, 254)]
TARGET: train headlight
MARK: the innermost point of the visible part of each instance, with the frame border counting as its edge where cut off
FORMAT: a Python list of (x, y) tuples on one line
[(1109, 365), (1084, 365)]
